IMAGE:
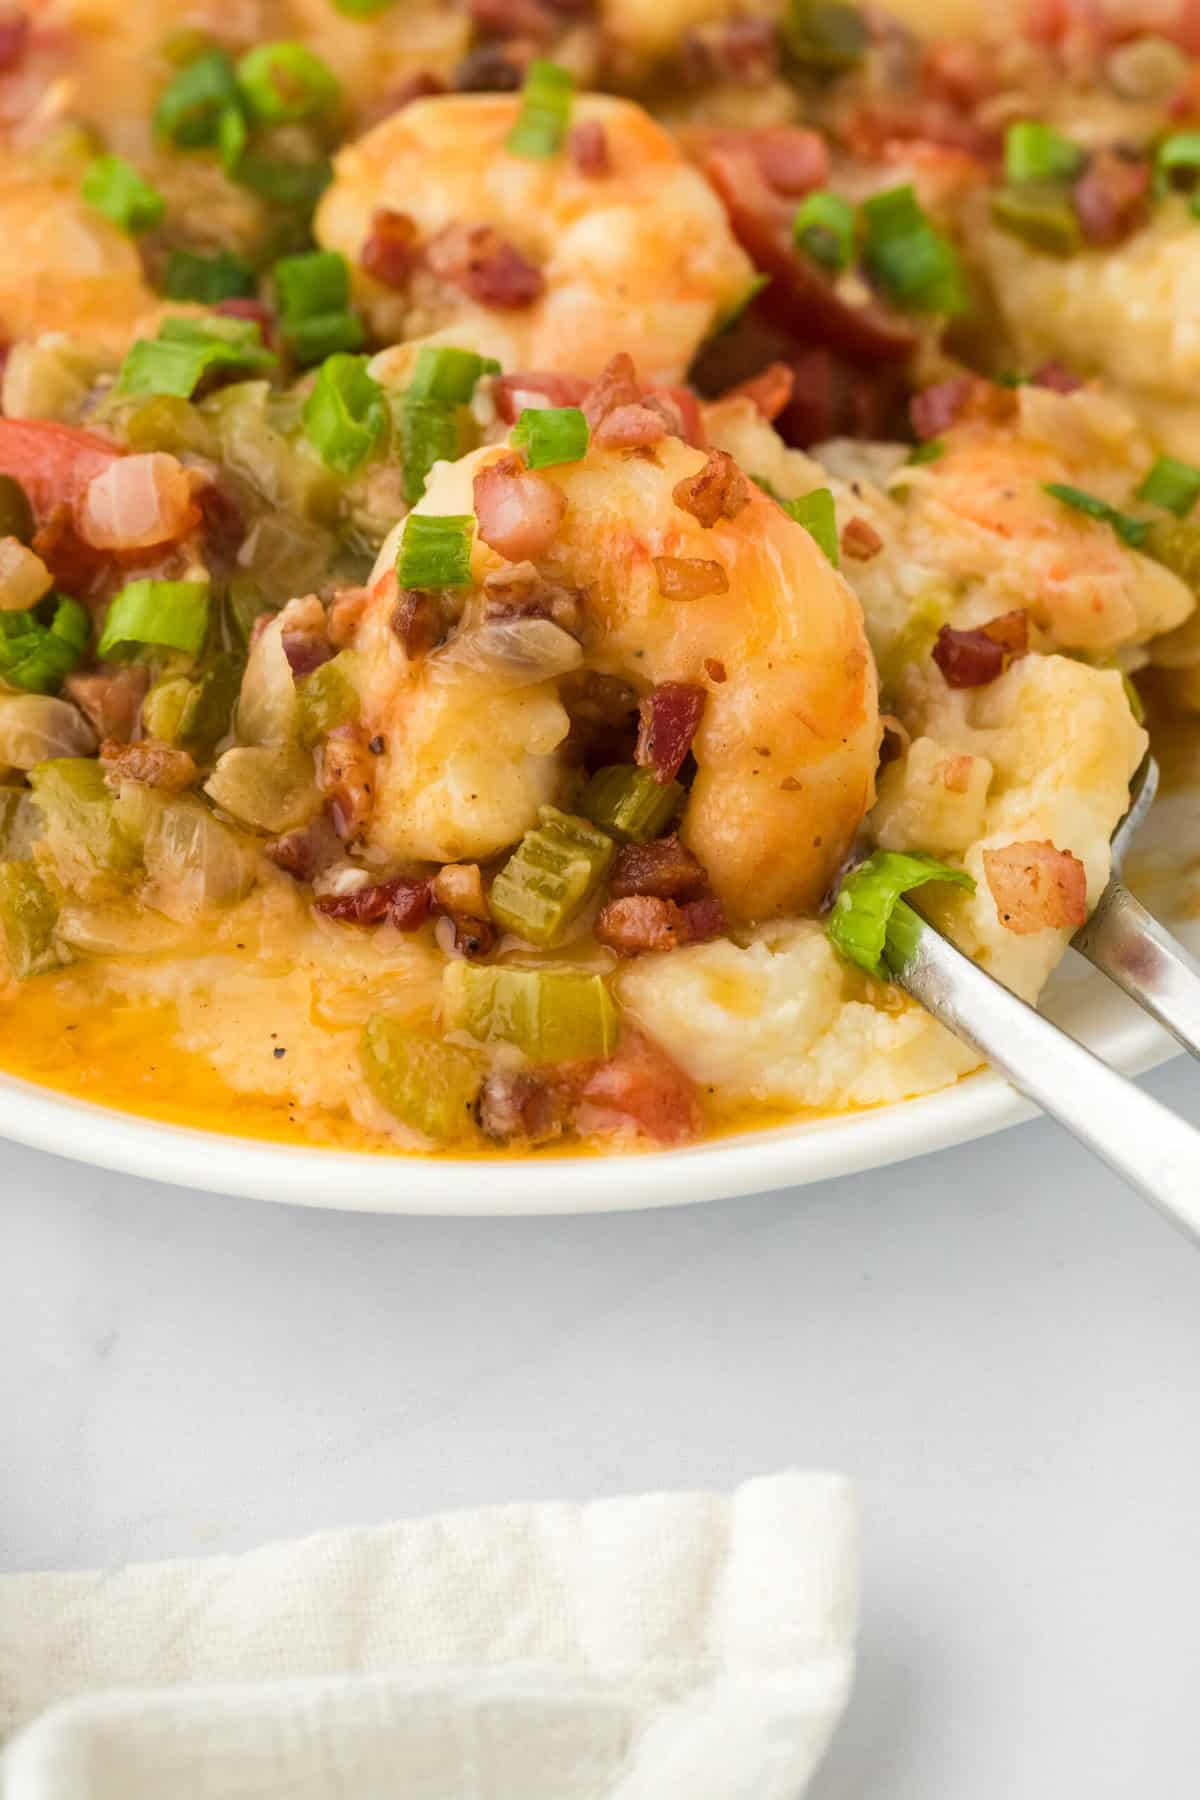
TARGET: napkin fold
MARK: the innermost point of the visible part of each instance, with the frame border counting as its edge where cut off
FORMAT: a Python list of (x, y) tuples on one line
[(697, 1646)]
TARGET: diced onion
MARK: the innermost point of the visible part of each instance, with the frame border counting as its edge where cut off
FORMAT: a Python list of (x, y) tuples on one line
[(36, 727), (193, 861), (24, 577), (511, 653), (266, 708), (138, 501), (270, 789)]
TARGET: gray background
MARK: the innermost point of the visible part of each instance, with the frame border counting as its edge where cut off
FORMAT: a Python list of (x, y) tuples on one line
[(1000, 1343)]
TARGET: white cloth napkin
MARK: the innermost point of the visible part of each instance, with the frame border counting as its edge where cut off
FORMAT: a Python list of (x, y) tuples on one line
[(671, 1647)]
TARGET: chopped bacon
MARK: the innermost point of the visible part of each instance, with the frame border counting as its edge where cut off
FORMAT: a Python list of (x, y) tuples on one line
[(689, 577), (860, 541), (717, 491), (404, 902), (243, 306), (958, 73), (346, 775), (1057, 377), (936, 408), (664, 868), (669, 717), (832, 398), (518, 511), (76, 566), (770, 390), (307, 851), (14, 39), (149, 763), (346, 613), (587, 147), (417, 621), (514, 393), (518, 1106), (790, 159), (970, 659), (615, 386), (472, 937), (1036, 887), (389, 254), (110, 699), (641, 1086), (1111, 196), (520, 592), (489, 69), (485, 266), (633, 427), (306, 651)]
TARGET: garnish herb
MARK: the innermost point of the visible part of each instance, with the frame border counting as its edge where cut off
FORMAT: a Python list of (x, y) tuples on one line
[(1171, 484), (551, 435), (816, 513), (114, 187), (345, 415), (541, 126), (155, 615), (869, 900), (435, 551), (824, 229), (910, 261)]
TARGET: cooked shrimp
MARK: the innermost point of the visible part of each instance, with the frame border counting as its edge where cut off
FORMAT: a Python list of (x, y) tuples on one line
[(771, 648), (533, 259), (64, 267)]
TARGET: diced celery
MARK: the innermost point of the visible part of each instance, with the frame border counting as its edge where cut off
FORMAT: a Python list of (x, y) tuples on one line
[(424, 1082), (28, 911), (284, 555), (630, 802), (326, 698), (82, 833), (285, 472), (194, 711), (166, 422), (20, 824), (550, 877), (553, 1015)]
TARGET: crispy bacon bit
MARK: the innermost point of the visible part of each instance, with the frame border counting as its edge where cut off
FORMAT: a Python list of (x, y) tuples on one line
[(514, 393), (770, 390), (346, 775), (1056, 376), (306, 650), (517, 1106), (417, 621), (936, 408), (520, 592), (307, 851), (458, 888), (518, 511), (860, 541), (488, 69), (587, 146), (641, 1086), (663, 868), (149, 763), (243, 306), (669, 717), (689, 577), (14, 39), (643, 922), (404, 902), (489, 269), (615, 386), (970, 659), (1111, 196), (345, 614), (634, 427), (390, 251), (717, 491), (76, 566), (471, 937), (715, 669), (1036, 887), (110, 699), (790, 159)]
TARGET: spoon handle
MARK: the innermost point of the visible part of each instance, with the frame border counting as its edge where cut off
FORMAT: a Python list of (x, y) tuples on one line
[(1156, 1152), (1127, 944)]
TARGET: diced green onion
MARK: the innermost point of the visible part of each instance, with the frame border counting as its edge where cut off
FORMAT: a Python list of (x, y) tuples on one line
[(345, 414), (435, 551), (313, 292), (189, 108), (185, 350), (221, 275), (1036, 152), (749, 294), (114, 187), (550, 435), (541, 125), (448, 375), (1129, 529), (326, 698), (1043, 218), (426, 413), (285, 81), (155, 615), (630, 803), (550, 877), (816, 513), (296, 185), (426, 1083), (915, 265), (825, 37), (82, 830), (1178, 156), (868, 897), (1175, 543), (28, 915), (39, 648), (824, 229), (1171, 484), (927, 452), (553, 1015)]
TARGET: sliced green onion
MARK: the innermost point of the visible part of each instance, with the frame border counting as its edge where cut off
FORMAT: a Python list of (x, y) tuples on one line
[(553, 1015), (541, 126), (285, 81), (824, 229), (424, 1082), (867, 899), (927, 452), (1036, 152), (1043, 218), (1175, 543), (296, 185), (825, 37), (190, 107), (40, 647), (221, 275), (729, 318), (631, 804), (114, 187), (1171, 484), (312, 340), (915, 265), (155, 615), (816, 513), (427, 418), (448, 375), (313, 292), (550, 877), (1178, 155), (550, 435), (435, 551), (28, 915), (185, 350), (345, 414), (1129, 529)]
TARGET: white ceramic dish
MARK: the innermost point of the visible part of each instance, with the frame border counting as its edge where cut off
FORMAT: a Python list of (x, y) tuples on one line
[(785, 1156)]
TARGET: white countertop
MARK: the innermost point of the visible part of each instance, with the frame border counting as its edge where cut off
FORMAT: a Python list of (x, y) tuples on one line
[(1001, 1344)]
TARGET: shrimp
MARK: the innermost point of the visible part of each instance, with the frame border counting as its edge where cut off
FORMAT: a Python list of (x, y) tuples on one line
[(770, 647), (535, 260), (64, 267)]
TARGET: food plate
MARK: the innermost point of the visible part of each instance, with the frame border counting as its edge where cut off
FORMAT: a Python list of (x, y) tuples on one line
[(785, 1156)]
